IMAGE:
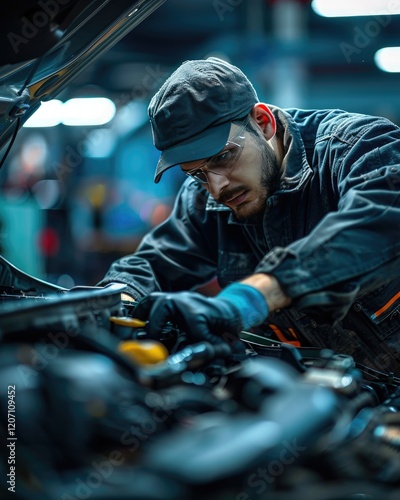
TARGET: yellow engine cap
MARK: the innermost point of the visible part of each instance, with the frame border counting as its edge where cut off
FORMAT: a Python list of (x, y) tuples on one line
[(127, 321), (144, 352)]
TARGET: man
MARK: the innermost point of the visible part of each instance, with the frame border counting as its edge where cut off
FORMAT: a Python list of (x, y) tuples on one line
[(295, 211)]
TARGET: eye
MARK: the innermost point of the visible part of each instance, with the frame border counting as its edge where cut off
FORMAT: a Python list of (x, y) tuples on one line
[(221, 159), (198, 174)]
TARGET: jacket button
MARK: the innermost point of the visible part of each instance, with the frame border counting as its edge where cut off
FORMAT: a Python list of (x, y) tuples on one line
[(357, 307)]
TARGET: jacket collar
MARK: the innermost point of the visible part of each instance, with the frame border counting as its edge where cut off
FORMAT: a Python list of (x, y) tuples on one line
[(296, 169)]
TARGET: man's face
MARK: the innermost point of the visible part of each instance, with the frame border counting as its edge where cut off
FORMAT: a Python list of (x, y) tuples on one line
[(245, 186)]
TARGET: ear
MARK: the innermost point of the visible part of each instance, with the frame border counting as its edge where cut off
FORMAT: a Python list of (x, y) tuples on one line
[(264, 118)]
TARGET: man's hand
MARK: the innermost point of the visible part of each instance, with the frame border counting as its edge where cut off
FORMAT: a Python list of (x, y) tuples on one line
[(237, 307)]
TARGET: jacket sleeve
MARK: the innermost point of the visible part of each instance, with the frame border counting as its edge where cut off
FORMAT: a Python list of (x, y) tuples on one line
[(356, 248), (177, 255)]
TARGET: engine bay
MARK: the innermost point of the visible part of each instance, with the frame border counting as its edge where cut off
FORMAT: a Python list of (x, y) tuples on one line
[(94, 408)]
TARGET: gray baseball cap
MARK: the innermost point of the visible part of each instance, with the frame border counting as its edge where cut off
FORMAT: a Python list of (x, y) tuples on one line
[(192, 112)]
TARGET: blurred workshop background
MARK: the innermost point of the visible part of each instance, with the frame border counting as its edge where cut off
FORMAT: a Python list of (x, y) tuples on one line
[(77, 189)]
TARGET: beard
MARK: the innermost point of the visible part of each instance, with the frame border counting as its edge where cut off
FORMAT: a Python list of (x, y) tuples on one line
[(269, 181), (270, 173)]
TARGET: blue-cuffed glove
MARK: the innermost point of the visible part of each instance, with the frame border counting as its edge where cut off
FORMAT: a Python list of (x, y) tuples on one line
[(236, 308)]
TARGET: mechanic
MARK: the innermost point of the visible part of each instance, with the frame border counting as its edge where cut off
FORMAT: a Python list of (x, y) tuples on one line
[(296, 212)]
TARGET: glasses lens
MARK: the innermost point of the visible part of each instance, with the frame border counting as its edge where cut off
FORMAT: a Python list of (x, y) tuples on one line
[(199, 175), (225, 158), (223, 161)]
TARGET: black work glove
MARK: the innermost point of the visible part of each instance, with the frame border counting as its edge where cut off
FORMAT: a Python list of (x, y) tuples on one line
[(236, 307)]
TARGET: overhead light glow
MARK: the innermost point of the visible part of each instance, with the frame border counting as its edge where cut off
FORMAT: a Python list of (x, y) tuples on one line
[(48, 115), (388, 59), (88, 111), (346, 8)]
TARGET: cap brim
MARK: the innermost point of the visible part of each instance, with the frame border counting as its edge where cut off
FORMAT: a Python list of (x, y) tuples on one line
[(200, 146)]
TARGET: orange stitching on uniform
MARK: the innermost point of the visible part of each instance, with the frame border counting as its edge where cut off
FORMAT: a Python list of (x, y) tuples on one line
[(386, 306), (278, 332)]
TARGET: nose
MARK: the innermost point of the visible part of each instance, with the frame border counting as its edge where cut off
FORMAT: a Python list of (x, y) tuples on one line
[(216, 183)]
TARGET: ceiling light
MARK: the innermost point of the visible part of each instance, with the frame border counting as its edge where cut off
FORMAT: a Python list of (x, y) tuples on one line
[(88, 111), (388, 59), (344, 8), (48, 115)]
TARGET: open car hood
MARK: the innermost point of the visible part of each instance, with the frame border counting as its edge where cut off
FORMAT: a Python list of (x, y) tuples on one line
[(47, 43)]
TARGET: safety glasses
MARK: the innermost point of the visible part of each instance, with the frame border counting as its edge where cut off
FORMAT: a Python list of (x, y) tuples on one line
[(222, 162)]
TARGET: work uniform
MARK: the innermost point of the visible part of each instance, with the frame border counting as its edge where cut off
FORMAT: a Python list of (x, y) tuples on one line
[(330, 234)]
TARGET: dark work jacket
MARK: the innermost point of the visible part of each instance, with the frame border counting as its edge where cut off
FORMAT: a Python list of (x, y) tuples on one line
[(330, 234)]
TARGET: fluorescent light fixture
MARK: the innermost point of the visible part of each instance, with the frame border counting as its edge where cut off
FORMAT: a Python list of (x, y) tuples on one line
[(88, 111), (345, 8), (388, 59), (48, 115)]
